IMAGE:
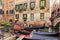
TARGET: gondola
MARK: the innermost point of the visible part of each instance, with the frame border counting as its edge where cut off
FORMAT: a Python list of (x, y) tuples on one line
[(27, 36), (46, 33), (29, 39), (22, 32), (35, 27)]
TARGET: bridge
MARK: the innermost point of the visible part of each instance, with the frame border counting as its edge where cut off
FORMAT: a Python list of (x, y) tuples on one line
[(56, 21)]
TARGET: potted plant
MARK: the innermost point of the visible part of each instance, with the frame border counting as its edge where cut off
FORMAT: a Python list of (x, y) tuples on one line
[(4, 23)]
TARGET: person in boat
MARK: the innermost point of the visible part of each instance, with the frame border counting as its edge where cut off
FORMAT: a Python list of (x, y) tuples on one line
[(11, 22), (16, 20)]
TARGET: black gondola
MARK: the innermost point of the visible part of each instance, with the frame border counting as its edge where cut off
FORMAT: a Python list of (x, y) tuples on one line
[(29, 39), (46, 33), (35, 27)]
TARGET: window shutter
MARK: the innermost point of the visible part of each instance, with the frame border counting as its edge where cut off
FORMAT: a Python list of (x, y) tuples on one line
[(44, 3), (40, 3), (18, 7)]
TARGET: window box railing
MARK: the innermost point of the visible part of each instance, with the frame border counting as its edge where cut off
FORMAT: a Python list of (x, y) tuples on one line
[(42, 7)]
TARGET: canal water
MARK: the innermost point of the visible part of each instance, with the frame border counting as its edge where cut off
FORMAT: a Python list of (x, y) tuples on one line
[(44, 37)]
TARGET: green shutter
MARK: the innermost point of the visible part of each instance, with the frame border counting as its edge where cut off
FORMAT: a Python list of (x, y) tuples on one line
[(0, 0), (44, 3), (18, 7), (40, 3)]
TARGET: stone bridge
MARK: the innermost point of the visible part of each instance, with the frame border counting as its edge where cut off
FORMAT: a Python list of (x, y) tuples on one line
[(56, 21)]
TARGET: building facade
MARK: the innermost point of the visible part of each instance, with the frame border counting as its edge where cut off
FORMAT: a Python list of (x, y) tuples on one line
[(32, 10), (8, 8), (1, 11)]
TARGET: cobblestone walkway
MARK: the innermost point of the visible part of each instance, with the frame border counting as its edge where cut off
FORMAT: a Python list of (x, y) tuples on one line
[(6, 36)]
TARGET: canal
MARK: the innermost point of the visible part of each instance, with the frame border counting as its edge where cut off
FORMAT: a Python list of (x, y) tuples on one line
[(39, 35), (44, 37)]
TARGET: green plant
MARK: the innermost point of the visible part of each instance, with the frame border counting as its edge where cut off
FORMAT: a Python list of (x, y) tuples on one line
[(4, 23)]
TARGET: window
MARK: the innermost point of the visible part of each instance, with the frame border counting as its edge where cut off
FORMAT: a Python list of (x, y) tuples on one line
[(42, 4), (58, 15), (32, 16), (20, 7), (16, 7), (17, 16), (58, 9), (0, 2), (32, 5), (1, 11), (7, 12), (24, 17), (42, 16), (6, 4), (11, 11), (11, 3), (25, 6)]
